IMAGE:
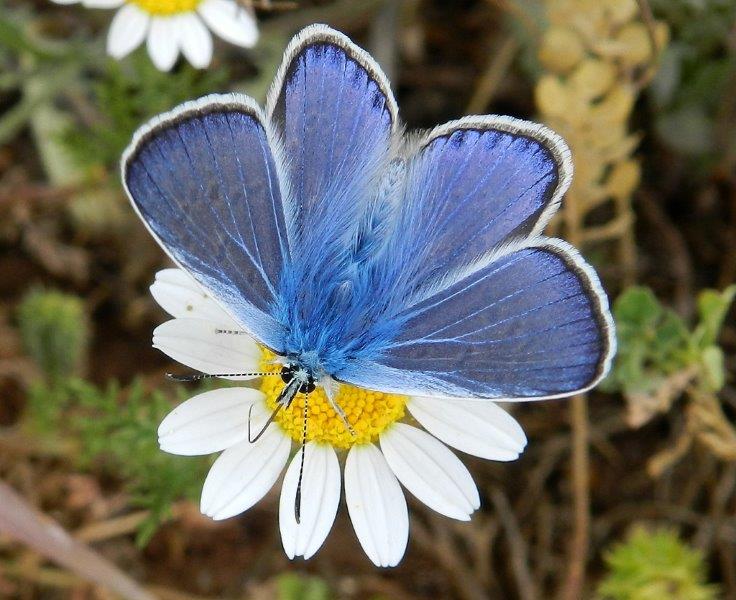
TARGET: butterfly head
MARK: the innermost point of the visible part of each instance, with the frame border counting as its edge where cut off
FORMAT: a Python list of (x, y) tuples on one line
[(291, 371), (302, 373)]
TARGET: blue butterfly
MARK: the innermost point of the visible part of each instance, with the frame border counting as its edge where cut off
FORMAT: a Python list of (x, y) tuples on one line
[(413, 265)]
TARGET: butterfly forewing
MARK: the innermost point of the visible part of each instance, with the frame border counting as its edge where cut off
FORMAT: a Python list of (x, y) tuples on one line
[(335, 113), (532, 323), (204, 180), (336, 116)]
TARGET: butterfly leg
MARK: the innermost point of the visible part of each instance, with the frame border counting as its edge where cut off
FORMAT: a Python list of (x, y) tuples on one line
[(330, 393)]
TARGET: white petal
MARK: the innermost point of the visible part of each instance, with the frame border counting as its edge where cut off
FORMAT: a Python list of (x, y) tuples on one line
[(127, 31), (195, 40), (163, 42), (208, 422), (196, 344), (430, 471), (103, 3), (320, 497), (244, 473), (65, 1), (478, 427), (376, 505), (230, 21), (180, 296)]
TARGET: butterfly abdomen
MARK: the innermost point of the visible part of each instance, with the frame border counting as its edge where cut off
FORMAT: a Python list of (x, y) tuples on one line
[(376, 223)]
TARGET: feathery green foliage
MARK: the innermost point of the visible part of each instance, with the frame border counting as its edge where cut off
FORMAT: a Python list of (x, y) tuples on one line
[(655, 566), (55, 332), (127, 93), (116, 431)]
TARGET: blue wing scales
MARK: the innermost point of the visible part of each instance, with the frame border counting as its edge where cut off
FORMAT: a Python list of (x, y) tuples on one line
[(205, 182), (470, 300), (336, 117), (461, 298), (473, 185), (335, 113), (531, 323)]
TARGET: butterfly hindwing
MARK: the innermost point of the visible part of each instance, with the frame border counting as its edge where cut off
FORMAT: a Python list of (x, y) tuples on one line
[(336, 117), (472, 185), (205, 182), (335, 114)]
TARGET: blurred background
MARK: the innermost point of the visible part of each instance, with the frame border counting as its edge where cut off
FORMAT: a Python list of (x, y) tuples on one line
[(628, 493)]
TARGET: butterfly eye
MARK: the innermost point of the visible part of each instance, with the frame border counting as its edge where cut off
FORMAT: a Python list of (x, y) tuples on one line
[(287, 374)]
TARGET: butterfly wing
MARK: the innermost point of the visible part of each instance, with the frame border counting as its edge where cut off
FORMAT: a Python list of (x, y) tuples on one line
[(474, 184), (532, 323), (230, 194), (482, 306), (205, 182), (335, 113), (336, 117)]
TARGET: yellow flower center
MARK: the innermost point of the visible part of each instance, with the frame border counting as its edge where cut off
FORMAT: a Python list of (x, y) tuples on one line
[(166, 7), (368, 412)]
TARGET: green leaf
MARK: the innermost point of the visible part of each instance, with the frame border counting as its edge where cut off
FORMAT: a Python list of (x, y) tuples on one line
[(712, 308), (653, 343), (714, 370), (671, 347), (293, 586), (687, 130), (637, 306)]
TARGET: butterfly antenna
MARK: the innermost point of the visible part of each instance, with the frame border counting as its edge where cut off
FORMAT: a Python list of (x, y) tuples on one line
[(283, 401), (231, 331), (298, 498), (201, 376)]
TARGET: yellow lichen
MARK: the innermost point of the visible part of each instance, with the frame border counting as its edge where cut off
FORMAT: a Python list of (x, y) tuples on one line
[(561, 49), (591, 79), (623, 179), (597, 55)]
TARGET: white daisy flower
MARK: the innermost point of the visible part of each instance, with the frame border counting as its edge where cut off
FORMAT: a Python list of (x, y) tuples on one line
[(382, 452), (172, 26)]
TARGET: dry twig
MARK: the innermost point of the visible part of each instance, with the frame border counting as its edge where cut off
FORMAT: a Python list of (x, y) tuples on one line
[(22, 522), (517, 546)]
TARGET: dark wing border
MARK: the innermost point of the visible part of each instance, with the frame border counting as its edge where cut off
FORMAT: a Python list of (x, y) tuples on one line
[(322, 34)]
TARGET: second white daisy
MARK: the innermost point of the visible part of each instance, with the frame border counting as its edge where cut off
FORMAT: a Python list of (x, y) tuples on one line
[(172, 26)]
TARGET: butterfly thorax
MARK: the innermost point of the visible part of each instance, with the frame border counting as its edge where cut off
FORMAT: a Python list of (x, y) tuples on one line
[(335, 321)]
